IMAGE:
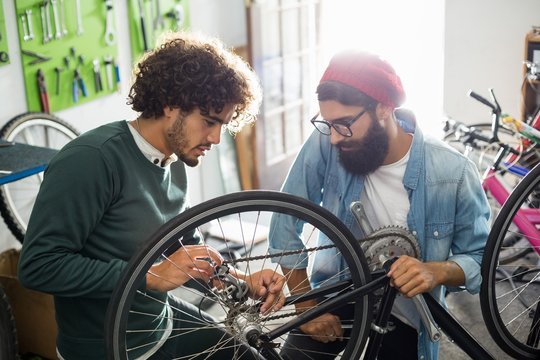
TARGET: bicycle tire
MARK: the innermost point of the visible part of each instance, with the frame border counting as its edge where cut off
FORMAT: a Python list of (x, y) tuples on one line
[(506, 307), (17, 198), (242, 205), (8, 333)]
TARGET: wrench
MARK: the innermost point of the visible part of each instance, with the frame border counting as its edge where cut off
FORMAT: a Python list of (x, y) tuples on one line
[(108, 61), (110, 37), (29, 22), (26, 37), (80, 29), (48, 19), (46, 38), (56, 18), (159, 23), (178, 12), (62, 20)]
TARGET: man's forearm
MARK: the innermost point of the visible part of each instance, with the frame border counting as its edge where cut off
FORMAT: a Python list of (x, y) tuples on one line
[(298, 283), (447, 273)]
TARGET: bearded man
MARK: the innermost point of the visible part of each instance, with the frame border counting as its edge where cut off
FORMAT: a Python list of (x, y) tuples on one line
[(365, 148)]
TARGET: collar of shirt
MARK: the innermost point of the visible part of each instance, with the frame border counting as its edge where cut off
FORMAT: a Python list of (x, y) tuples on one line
[(153, 155)]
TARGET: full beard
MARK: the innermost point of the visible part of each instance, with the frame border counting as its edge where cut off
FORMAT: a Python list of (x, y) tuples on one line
[(178, 140), (368, 154)]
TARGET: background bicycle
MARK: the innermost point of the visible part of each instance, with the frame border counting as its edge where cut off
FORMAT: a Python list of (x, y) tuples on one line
[(510, 269), (17, 197)]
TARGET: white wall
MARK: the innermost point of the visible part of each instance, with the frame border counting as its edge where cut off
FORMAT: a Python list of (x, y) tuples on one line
[(206, 16), (484, 48)]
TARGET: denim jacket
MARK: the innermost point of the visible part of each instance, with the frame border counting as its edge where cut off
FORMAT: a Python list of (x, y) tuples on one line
[(449, 213)]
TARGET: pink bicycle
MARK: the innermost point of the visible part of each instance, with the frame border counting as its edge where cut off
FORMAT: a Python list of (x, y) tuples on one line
[(510, 292)]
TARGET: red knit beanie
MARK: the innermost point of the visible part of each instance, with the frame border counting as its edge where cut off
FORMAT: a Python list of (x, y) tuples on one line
[(367, 73)]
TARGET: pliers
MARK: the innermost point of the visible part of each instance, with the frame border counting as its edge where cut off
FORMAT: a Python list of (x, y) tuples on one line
[(38, 58), (78, 84), (43, 95)]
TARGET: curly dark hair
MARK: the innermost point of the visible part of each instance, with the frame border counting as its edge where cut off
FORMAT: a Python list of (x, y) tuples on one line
[(190, 70)]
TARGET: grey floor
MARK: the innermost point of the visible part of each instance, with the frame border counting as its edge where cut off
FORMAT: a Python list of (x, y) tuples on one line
[(466, 309)]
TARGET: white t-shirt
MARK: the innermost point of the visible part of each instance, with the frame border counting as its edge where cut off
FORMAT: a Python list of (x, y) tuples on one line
[(386, 202)]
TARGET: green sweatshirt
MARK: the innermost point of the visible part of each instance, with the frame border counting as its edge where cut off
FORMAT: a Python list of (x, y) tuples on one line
[(99, 200)]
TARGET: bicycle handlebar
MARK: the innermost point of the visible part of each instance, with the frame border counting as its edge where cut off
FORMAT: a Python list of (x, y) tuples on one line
[(482, 100), (495, 111)]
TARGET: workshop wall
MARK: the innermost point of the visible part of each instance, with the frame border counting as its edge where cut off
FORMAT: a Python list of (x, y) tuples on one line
[(204, 15), (484, 46)]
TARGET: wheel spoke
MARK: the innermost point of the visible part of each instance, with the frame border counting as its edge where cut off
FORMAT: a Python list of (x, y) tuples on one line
[(221, 313)]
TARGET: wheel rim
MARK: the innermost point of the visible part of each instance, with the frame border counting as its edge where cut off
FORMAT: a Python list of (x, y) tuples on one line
[(255, 210), (511, 271)]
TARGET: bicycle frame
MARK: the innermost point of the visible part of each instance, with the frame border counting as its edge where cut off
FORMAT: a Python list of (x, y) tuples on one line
[(527, 220), (443, 318)]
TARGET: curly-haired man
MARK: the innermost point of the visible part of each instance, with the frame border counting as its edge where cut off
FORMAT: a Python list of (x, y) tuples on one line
[(107, 191)]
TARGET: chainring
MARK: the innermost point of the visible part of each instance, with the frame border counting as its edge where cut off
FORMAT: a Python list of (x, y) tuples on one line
[(388, 242)]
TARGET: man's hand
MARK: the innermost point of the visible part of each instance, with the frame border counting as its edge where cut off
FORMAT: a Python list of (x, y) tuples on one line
[(188, 262), (412, 277), (325, 328), (267, 285)]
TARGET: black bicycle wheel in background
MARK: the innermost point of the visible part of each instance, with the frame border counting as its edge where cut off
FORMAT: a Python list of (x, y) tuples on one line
[(242, 216), (510, 291), (8, 334), (17, 198)]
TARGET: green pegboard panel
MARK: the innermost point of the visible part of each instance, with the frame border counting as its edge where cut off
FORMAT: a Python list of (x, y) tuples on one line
[(4, 54), (66, 47), (158, 16)]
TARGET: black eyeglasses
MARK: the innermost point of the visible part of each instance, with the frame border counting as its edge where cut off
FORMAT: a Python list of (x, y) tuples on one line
[(342, 126)]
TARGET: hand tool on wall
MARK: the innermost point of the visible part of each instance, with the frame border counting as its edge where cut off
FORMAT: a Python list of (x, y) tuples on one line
[(159, 23), (38, 58), (57, 71), (4, 57), (107, 60), (46, 4), (80, 29), (56, 17), (110, 36), (26, 37), (98, 84), (78, 84), (117, 74), (177, 13), (62, 18), (43, 96), (46, 38), (29, 23), (143, 27)]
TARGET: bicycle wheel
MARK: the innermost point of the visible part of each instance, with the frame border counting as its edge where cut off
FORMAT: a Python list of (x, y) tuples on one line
[(509, 294), (241, 216), (17, 198), (8, 334)]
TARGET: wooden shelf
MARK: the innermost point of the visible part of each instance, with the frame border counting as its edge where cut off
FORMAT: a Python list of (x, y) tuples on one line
[(530, 91)]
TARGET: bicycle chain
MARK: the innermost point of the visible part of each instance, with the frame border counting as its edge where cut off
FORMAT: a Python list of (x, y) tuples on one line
[(380, 234), (385, 232)]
